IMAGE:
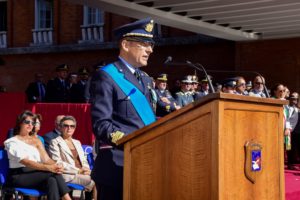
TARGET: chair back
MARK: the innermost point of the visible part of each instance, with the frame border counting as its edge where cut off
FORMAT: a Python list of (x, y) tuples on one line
[(88, 152), (4, 166)]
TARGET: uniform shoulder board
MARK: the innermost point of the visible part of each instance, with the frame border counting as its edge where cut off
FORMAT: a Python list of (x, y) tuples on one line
[(144, 73), (179, 93)]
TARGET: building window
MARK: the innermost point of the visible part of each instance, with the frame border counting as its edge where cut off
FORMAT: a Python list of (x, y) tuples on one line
[(92, 28), (92, 16), (42, 32), (44, 14), (3, 24), (3, 16)]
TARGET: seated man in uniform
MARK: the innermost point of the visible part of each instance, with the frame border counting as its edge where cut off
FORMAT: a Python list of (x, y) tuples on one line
[(229, 85), (184, 96), (165, 102), (204, 88)]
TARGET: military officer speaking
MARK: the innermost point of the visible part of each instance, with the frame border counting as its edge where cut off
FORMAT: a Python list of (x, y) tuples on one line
[(120, 104)]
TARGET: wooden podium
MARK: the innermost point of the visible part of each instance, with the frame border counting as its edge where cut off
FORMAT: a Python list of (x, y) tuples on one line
[(198, 152)]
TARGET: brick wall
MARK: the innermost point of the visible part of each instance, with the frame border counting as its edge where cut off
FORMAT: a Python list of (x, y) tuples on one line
[(68, 19), (20, 22), (278, 60), (19, 69)]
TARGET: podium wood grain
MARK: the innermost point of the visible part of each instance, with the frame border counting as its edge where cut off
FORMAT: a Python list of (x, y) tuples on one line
[(198, 152)]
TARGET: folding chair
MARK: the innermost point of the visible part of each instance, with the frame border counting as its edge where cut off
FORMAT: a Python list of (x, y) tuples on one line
[(88, 152), (16, 191), (78, 187)]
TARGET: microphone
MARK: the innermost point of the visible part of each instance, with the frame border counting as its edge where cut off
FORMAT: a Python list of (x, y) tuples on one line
[(190, 64), (169, 59), (245, 72), (211, 88)]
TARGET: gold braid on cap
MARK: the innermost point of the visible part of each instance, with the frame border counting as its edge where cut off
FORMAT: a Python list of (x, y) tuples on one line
[(138, 35)]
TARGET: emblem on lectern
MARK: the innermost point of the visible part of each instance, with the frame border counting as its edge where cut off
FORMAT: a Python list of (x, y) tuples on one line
[(253, 160), (256, 160)]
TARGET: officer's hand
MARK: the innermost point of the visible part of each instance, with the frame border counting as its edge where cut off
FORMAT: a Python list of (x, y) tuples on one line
[(115, 136), (165, 100), (177, 107)]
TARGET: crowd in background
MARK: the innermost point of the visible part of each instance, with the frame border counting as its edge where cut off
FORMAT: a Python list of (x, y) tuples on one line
[(114, 115), (50, 162), (190, 89), (74, 87)]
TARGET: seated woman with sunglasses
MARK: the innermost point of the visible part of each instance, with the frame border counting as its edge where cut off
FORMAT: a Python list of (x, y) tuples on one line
[(68, 151), (30, 165), (37, 128), (258, 87)]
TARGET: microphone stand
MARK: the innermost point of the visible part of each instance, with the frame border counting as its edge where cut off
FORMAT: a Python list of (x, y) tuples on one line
[(211, 88), (190, 64)]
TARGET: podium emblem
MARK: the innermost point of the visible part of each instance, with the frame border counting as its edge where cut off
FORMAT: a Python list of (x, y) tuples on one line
[(256, 160), (253, 160)]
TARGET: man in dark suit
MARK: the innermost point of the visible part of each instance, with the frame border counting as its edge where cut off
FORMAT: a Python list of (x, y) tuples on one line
[(54, 133), (120, 104), (96, 67), (36, 90), (77, 91), (57, 87)]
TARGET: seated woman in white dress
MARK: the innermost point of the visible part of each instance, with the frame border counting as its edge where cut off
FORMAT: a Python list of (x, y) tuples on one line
[(68, 151), (30, 165)]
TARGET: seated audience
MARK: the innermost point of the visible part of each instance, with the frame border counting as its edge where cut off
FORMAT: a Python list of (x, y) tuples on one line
[(37, 128), (57, 89), (240, 87), (248, 86), (194, 88), (258, 87), (278, 91), (184, 96), (153, 95), (36, 90), (229, 86), (96, 68), (68, 151), (30, 165), (54, 133), (165, 102), (204, 88), (78, 89), (287, 92)]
